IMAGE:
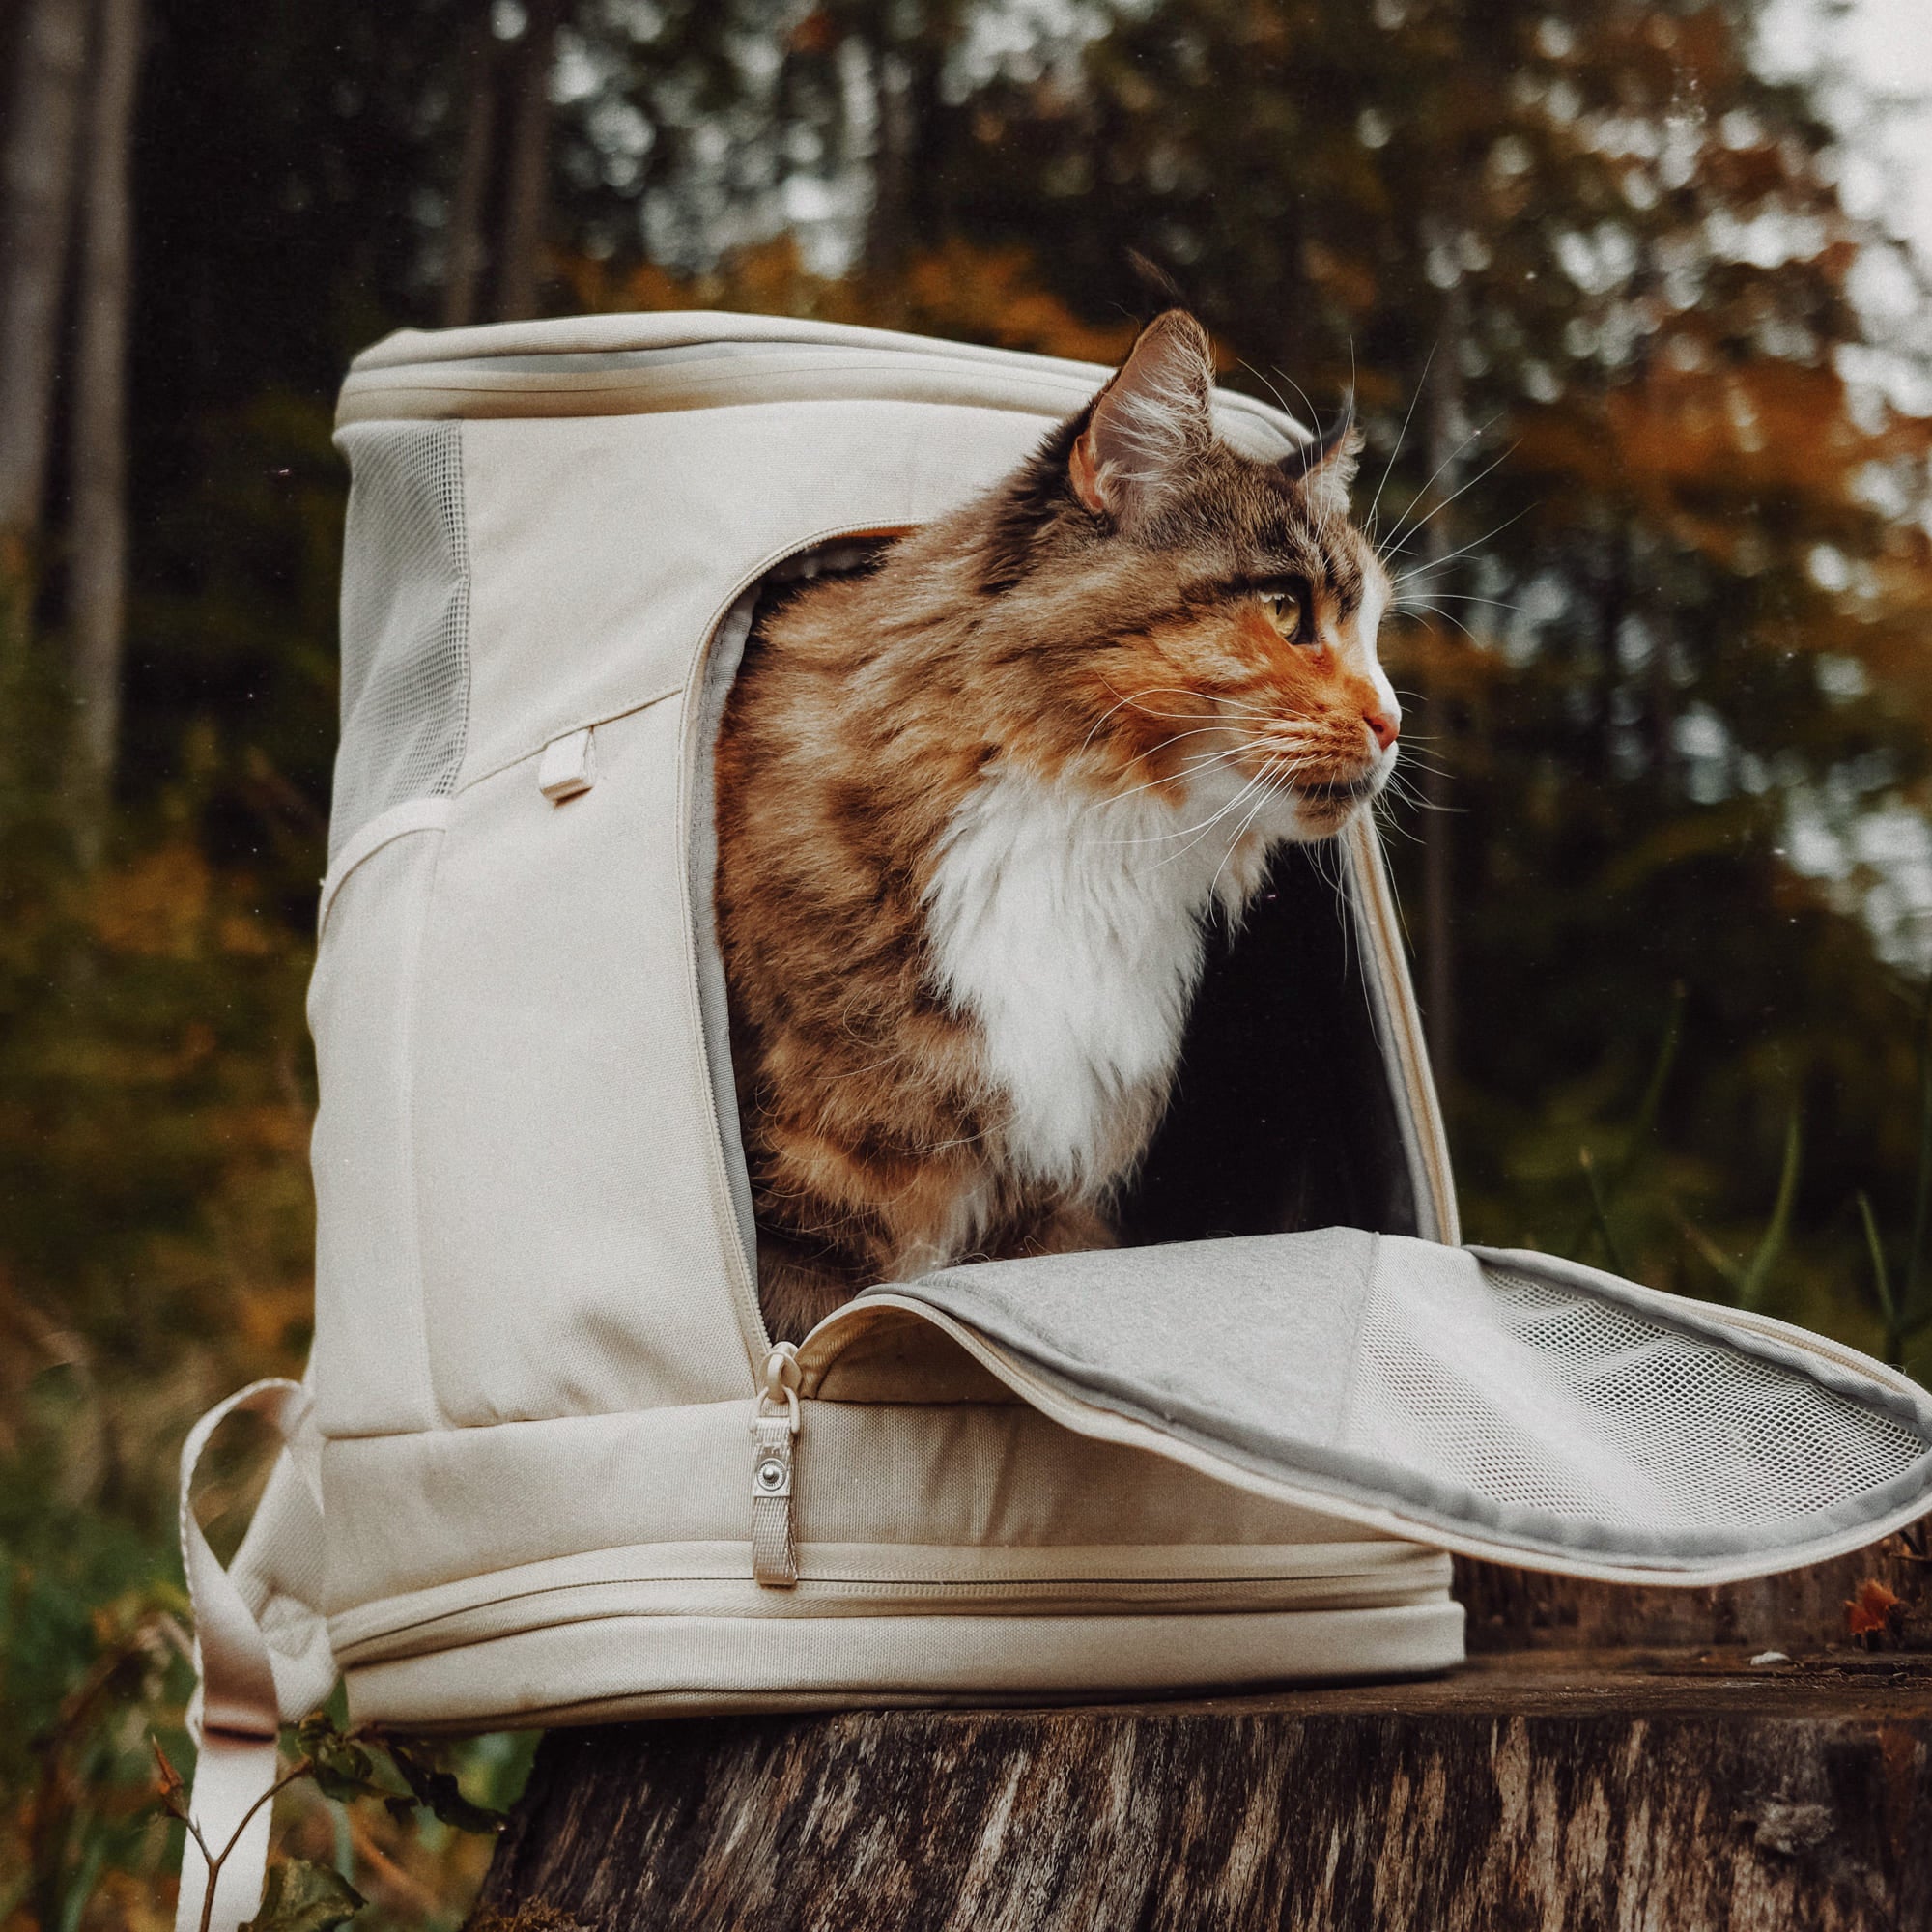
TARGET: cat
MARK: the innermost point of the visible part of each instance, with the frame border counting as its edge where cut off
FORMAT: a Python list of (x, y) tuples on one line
[(977, 805)]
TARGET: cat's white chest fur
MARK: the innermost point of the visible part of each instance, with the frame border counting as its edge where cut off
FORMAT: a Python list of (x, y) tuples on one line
[(1072, 928)]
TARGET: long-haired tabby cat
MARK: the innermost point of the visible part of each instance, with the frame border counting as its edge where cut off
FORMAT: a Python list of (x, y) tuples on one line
[(976, 804)]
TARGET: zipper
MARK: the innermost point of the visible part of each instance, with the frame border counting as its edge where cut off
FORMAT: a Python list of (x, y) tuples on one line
[(775, 1418), (775, 1435), (745, 1275)]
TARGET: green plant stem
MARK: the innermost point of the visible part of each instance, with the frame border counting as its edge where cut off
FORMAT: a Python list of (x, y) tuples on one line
[(300, 1769), (1894, 1339), (1601, 1213), (1603, 1194), (1758, 1273)]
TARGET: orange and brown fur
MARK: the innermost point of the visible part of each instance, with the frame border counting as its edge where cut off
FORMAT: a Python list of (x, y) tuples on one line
[(976, 807)]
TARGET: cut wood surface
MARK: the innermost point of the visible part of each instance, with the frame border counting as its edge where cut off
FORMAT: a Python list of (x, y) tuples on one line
[(1569, 1789)]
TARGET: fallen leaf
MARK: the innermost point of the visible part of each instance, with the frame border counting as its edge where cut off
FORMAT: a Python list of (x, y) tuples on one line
[(1872, 1608)]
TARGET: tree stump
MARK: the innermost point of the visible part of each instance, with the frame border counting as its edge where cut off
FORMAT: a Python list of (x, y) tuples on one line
[(1568, 1789), (1682, 1788)]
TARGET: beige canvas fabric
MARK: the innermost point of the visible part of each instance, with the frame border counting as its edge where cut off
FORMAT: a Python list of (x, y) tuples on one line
[(543, 1467), (563, 1147)]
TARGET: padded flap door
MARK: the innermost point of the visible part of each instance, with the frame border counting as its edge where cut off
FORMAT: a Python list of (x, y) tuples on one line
[(1506, 1405)]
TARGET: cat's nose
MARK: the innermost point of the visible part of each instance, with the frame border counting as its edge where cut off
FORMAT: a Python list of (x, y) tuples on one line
[(1383, 728)]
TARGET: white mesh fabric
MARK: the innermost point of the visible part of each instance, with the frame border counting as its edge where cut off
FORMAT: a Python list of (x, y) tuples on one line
[(1537, 1398), (404, 622)]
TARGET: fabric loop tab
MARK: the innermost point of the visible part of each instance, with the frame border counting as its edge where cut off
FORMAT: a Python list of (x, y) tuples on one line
[(568, 766)]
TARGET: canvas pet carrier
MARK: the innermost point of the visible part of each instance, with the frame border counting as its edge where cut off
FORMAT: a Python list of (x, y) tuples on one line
[(546, 1466)]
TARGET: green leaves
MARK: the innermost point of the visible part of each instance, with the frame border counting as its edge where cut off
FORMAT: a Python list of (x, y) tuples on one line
[(299, 1895), (304, 1898), (439, 1792), (343, 1767)]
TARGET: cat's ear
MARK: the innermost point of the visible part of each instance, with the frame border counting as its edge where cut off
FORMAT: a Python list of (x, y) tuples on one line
[(1325, 465), (1150, 421)]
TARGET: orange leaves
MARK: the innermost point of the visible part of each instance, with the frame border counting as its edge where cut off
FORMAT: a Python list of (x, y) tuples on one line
[(168, 905), (991, 294), (1871, 1611), (157, 907), (817, 34), (956, 289)]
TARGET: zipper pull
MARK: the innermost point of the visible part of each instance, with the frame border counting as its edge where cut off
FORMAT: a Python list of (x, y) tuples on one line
[(774, 1430)]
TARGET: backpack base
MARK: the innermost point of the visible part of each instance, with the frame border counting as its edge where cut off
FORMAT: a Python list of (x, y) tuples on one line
[(625, 1667)]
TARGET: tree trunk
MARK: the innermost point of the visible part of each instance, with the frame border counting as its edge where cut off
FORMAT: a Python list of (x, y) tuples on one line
[(464, 268), (98, 573), (889, 228), (526, 189), (1577, 1790), (42, 149), (1689, 1788)]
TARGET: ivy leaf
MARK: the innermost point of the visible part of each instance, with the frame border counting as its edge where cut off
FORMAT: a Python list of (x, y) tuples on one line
[(341, 1768), (304, 1898), (345, 1780), (441, 1792), (317, 1732)]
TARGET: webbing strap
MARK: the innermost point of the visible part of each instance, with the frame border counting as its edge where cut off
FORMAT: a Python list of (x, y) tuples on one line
[(774, 1536), (236, 1715)]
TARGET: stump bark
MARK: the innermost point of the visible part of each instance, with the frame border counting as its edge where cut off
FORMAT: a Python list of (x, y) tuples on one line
[(1681, 1788)]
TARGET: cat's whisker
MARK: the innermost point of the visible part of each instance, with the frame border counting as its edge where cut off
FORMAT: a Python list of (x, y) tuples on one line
[(1422, 495), (1388, 468), (1262, 782), (1463, 550), (1194, 717), (1222, 707), (1281, 401), (1267, 795), (1235, 846), (1203, 827), (1459, 597), (1446, 616), (1120, 702), (1388, 817), (1322, 514), (1422, 608), (1192, 767), (1410, 797), (1417, 528)]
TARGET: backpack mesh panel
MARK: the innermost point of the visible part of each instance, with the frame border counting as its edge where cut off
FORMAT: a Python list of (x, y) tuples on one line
[(1689, 1438), (405, 622)]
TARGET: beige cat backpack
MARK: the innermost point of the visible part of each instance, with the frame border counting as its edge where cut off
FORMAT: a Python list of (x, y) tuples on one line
[(546, 1466)]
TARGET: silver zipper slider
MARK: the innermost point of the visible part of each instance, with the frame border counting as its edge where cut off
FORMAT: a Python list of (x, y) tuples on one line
[(775, 1431)]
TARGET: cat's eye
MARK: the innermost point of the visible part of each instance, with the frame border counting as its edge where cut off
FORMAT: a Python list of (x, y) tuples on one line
[(1285, 611)]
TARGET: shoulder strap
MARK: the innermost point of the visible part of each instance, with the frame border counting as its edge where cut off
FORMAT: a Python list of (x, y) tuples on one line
[(237, 1711)]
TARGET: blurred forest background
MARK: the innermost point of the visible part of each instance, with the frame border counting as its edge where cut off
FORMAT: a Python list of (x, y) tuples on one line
[(1650, 390)]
